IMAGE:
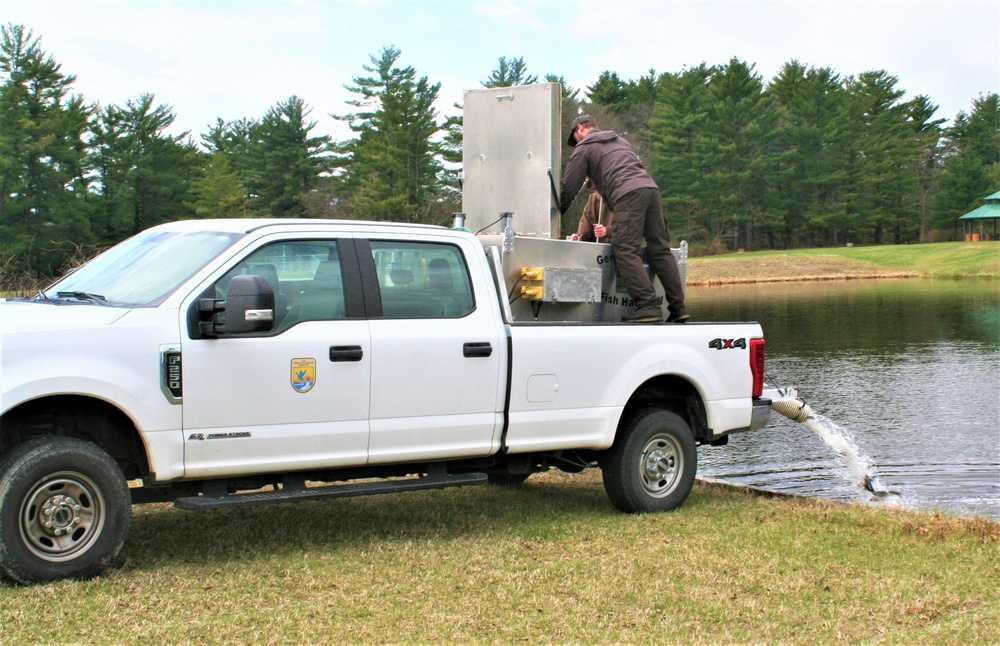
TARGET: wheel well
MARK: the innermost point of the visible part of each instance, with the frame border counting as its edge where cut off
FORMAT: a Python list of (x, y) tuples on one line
[(675, 394), (85, 418)]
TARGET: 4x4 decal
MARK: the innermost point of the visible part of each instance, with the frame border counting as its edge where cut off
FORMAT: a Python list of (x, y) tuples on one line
[(728, 344)]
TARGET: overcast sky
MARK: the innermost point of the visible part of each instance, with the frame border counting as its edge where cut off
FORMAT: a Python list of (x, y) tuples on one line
[(237, 58)]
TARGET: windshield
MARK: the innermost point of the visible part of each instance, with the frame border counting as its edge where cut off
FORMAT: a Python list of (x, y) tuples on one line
[(143, 270)]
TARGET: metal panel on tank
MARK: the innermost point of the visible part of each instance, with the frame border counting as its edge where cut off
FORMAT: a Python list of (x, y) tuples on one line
[(511, 141), (519, 252)]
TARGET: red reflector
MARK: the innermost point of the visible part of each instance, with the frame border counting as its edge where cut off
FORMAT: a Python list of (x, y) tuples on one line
[(757, 365)]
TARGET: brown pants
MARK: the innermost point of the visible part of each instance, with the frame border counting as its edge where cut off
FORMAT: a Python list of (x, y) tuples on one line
[(638, 217)]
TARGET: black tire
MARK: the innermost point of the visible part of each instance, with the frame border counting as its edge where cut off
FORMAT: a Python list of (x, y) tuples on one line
[(653, 463), (65, 510)]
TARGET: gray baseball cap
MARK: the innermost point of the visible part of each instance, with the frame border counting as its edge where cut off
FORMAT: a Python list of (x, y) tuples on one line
[(583, 118)]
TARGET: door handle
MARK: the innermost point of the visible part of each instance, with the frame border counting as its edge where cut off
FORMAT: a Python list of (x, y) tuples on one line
[(477, 349), (346, 353)]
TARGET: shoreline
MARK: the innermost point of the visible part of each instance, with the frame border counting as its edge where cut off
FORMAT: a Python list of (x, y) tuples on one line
[(949, 260), (728, 280)]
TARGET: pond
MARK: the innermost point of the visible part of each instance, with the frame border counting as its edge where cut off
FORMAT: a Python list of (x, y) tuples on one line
[(909, 369)]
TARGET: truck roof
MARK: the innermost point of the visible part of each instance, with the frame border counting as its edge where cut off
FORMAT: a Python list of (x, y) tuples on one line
[(249, 225)]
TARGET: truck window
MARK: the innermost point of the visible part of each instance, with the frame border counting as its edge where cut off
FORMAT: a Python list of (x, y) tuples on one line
[(145, 269), (305, 276), (422, 280)]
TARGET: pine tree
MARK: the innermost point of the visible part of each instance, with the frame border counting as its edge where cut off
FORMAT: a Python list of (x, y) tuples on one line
[(275, 159), (392, 170), (609, 92), (926, 133), (677, 162), (809, 171), (287, 162), (144, 174), (745, 130), (510, 73), (218, 192), (43, 213), (884, 155), (972, 164)]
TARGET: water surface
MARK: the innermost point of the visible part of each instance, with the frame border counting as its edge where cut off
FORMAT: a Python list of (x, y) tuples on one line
[(910, 369)]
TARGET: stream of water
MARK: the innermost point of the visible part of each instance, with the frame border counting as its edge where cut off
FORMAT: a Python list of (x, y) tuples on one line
[(904, 381)]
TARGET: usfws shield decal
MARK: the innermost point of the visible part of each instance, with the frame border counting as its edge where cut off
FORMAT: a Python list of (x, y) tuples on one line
[(303, 374)]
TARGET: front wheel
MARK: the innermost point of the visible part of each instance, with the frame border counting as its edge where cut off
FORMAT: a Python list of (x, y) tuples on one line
[(653, 464), (65, 510)]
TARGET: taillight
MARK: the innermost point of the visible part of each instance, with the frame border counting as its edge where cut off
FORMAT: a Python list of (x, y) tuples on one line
[(757, 365)]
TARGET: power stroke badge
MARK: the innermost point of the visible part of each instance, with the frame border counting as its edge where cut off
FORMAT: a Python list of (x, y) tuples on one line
[(303, 374)]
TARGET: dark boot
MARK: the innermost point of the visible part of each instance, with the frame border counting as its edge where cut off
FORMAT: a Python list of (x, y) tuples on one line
[(648, 314)]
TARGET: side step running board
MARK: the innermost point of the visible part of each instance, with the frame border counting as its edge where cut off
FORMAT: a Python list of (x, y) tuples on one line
[(299, 494)]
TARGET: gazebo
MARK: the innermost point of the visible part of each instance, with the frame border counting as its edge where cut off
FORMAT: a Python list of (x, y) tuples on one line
[(988, 211)]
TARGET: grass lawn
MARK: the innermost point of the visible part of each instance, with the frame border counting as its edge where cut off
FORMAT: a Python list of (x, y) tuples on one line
[(938, 260), (550, 561)]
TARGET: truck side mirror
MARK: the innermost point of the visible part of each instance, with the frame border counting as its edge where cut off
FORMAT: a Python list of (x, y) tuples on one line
[(249, 307)]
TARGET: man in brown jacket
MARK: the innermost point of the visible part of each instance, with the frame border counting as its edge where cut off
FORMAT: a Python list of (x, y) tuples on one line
[(595, 222), (614, 168)]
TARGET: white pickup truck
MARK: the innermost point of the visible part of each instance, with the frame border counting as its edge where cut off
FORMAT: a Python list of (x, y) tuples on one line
[(238, 362)]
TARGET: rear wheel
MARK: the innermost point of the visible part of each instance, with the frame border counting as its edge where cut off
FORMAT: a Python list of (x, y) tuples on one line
[(652, 467), (65, 510)]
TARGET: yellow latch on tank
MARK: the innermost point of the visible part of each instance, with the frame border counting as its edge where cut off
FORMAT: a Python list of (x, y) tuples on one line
[(533, 292)]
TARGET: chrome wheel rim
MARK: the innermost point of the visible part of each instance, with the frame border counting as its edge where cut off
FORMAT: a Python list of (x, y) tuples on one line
[(62, 516), (661, 465)]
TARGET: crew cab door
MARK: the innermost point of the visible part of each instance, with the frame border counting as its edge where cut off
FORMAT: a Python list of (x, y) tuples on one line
[(438, 350), (296, 394)]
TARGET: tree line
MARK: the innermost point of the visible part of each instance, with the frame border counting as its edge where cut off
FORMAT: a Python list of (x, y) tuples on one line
[(809, 158)]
